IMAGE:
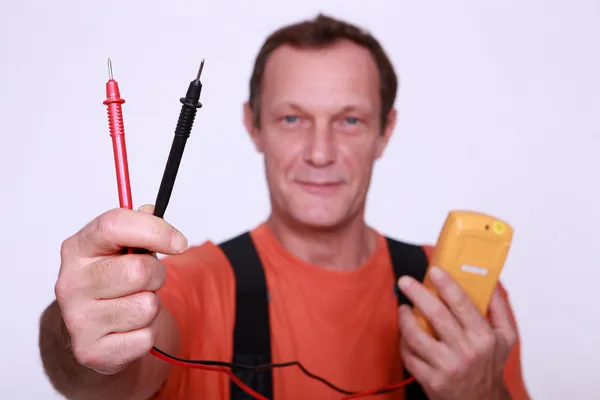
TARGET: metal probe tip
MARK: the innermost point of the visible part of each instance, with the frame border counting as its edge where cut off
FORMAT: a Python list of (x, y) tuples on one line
[(200, 70), (110, 74)]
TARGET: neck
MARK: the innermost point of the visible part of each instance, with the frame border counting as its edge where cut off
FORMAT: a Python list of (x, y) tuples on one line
[(345, 247)]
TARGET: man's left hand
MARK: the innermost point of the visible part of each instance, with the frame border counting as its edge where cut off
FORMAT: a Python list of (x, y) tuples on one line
[(467, 361)]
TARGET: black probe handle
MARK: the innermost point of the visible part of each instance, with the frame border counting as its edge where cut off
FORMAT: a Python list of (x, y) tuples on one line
[(169, 176), (190, 105), (182, 133)]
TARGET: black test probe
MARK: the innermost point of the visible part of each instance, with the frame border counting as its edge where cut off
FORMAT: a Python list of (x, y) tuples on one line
[(190, 104)]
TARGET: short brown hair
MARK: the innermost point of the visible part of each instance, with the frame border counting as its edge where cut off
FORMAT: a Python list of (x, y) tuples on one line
[(321, 32)]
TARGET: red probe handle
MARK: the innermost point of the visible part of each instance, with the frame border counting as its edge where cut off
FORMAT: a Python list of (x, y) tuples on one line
[(117, 132)]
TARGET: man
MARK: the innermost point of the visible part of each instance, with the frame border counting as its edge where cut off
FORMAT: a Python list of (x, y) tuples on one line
[(321, 113)]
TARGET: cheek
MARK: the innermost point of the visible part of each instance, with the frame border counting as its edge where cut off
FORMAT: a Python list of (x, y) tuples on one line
[(280, 155), (358, 158)]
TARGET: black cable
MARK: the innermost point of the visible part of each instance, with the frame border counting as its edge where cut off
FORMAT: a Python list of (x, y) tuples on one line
[(263, 367)]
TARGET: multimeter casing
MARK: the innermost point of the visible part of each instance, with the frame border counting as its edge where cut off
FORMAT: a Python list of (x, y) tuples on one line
[(472, 247)]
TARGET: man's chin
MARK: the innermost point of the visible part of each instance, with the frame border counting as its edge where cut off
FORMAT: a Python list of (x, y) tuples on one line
[(320, 221)]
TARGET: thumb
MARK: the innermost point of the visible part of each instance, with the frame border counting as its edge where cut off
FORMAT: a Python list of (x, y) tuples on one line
[(147, 208)]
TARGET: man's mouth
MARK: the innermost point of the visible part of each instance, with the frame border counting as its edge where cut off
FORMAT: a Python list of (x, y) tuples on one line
[(320, 188)]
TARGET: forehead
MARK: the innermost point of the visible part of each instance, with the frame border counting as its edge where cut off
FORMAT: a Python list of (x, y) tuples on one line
[(344, 74)]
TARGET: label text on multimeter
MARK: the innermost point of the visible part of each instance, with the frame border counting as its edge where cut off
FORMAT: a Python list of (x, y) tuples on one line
[(474, 270)]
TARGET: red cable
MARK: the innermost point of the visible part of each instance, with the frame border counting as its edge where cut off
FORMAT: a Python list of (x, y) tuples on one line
[(231, 375), (375, 391), (258, 396)]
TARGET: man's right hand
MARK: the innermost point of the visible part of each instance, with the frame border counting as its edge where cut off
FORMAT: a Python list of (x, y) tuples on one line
[(107, 299)]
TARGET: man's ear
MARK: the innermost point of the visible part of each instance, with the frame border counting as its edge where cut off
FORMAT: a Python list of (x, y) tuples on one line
[(251, 127), (385, 136)]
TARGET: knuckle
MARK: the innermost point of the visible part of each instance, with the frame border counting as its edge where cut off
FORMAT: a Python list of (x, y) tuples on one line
[(66, 248), (147, 339), (462, 301), (438, 384), (487, 342), (84, 356), (76, 322), (63, 288), (452, 369), (469, 356), (150, 304), (81, 356), (109, 222), (143, 309), (439, 312), (138, 271)]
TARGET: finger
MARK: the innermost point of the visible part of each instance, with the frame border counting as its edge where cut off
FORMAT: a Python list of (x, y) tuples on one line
[(116, 351), (90, 321), (501, 318), (121, 275), (417, 340), (418, 368), (457, 300), (118, 228), (434, 310), (125, 314)]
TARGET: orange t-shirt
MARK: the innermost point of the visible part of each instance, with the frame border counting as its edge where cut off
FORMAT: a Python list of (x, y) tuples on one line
[(341, 325)]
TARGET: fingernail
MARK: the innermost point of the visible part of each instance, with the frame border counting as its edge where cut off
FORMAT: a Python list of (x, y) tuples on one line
[(179, 242), (404, 282), (436, 272)]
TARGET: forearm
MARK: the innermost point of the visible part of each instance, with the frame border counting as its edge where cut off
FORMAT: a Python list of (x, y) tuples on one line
[(75, 381)]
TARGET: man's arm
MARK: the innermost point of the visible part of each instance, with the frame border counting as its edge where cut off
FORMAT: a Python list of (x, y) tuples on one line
[(140, 380)]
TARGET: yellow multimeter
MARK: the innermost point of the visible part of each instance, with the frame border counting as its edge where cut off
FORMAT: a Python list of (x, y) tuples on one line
[(472, 248)]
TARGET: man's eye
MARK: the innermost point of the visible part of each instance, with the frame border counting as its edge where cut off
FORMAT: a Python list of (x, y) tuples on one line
[(351, 120), (290, 119)]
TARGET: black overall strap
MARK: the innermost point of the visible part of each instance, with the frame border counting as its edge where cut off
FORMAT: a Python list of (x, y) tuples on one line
[(408, 259), (252, 334)]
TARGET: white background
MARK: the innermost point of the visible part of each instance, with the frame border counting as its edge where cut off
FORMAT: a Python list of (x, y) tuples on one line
[(498, 112)]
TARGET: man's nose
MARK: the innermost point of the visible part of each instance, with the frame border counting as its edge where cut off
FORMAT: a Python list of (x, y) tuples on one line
[(320, 146)]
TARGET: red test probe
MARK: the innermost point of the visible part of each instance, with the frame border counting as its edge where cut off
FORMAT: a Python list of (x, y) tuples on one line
[(117, 132)]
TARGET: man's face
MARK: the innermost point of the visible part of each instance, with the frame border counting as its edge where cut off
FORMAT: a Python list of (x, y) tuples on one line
[(320, 131)]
